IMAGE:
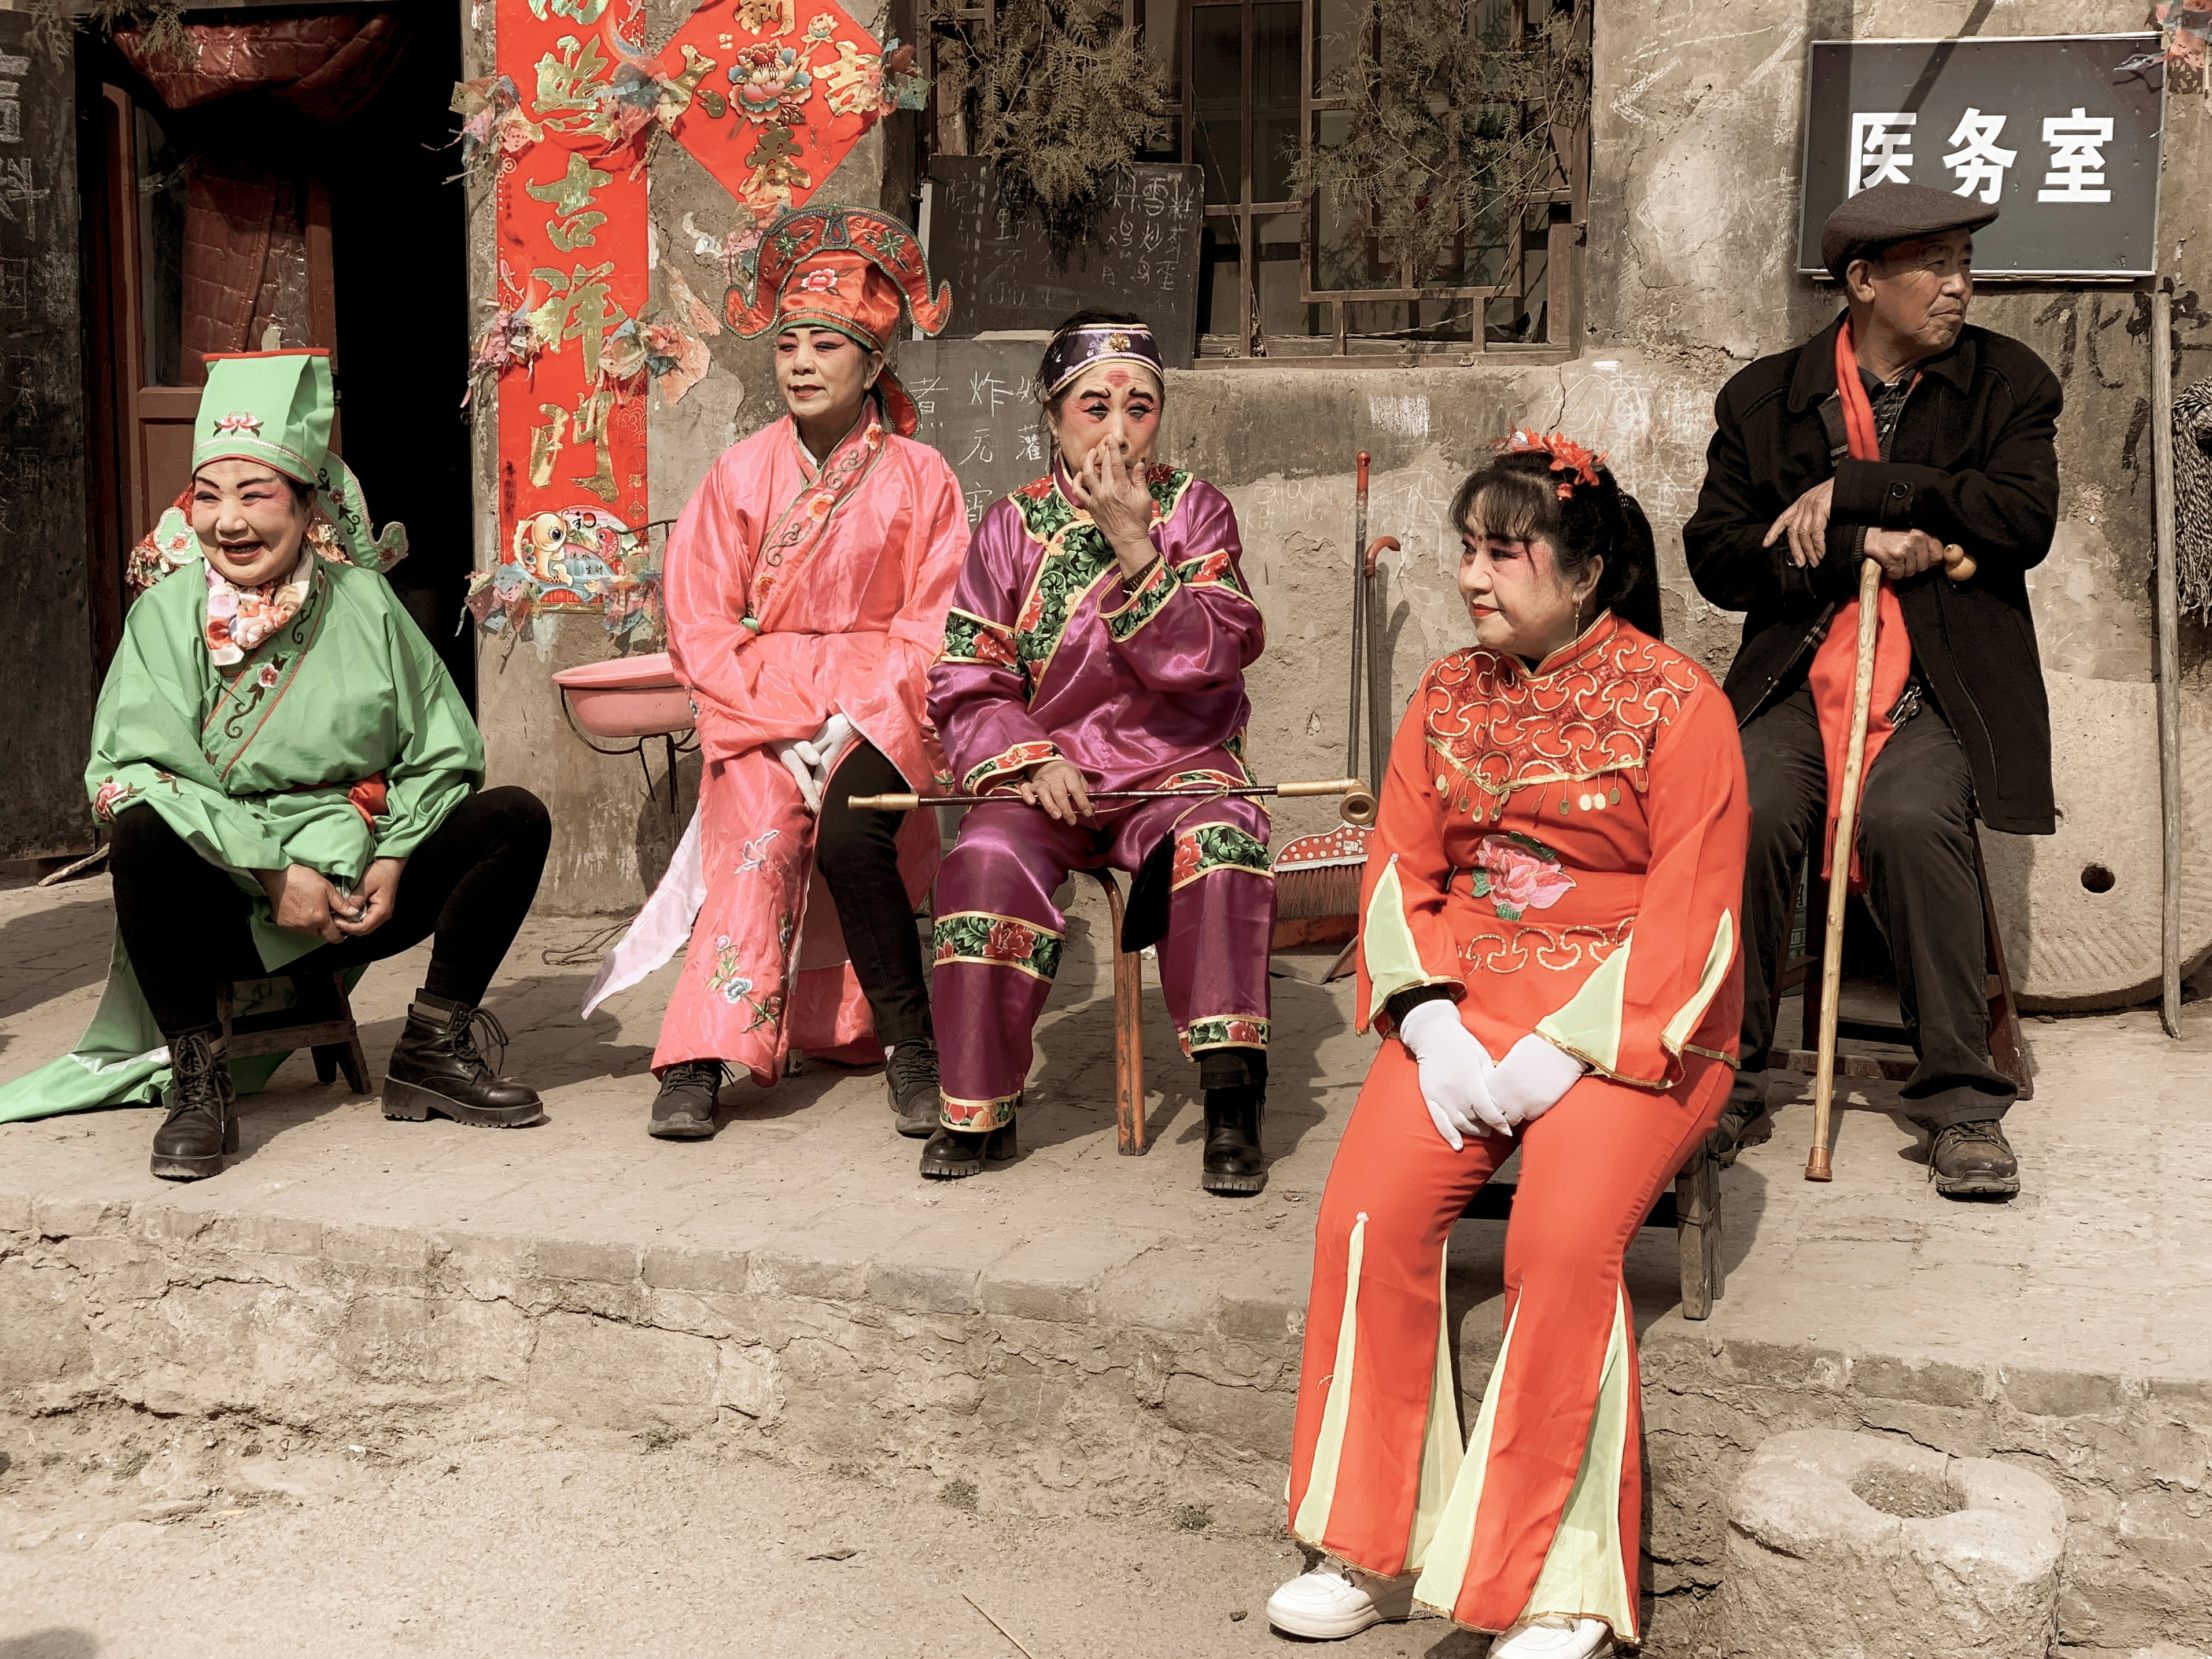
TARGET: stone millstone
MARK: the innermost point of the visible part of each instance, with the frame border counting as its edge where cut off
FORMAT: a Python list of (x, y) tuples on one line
[(1960, 1559)]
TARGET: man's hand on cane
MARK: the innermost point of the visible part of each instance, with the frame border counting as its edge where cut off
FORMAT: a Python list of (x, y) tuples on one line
[(1902, 553)]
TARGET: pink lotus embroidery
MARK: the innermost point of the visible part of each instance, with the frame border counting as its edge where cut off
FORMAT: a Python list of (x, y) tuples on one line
[(239, 423), (1518, 874)]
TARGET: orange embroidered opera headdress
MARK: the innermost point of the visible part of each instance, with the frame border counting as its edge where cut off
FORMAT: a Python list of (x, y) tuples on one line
[(848, 269)]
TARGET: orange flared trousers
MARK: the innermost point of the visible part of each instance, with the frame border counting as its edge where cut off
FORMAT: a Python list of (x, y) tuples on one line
[(1537, 1511)]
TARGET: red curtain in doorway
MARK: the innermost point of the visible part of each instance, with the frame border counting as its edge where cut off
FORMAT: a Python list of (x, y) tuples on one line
[(245, 244)]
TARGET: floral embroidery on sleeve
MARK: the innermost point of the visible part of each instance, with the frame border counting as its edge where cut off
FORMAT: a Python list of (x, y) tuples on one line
[(113, 794), (1003, 768), (969, 638)]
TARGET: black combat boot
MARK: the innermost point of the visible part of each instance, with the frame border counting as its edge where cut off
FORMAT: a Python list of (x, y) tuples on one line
[(910, 1080), (956, 1154), (1973, 1160), (1233, 1164), (436, 1067), (202, 1121), (684, 1108)]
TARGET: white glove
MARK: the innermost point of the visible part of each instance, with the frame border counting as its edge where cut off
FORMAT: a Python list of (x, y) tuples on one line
[(822, 750), (1530, 1079), (1455, 1070), (809, 787)]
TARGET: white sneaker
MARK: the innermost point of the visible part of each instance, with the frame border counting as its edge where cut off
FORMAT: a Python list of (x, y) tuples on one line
[(1556, 1637), (1336, 1600)]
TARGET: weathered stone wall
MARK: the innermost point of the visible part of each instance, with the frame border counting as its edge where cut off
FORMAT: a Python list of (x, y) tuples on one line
[(1096, 1375), (1693, 205)]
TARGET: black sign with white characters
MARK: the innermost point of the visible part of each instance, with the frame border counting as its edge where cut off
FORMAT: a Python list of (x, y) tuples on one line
[(2060, 133)]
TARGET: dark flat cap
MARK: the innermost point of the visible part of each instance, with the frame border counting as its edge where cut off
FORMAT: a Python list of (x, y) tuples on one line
[(1862, 225)]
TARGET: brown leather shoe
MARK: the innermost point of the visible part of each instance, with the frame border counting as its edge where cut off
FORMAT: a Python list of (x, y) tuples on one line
[(1973, 1160)]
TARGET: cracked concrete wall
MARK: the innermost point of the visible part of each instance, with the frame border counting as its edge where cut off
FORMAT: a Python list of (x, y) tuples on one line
[(1097, 1376), (1695, 144)]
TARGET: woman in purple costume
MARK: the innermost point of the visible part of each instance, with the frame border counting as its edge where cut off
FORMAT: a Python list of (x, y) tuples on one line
[(1097, 641)]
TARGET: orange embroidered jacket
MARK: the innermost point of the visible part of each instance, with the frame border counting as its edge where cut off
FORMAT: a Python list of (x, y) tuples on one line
[(1562, 848)]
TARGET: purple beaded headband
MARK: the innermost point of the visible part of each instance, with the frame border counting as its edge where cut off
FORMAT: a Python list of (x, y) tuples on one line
[(1070, 353)]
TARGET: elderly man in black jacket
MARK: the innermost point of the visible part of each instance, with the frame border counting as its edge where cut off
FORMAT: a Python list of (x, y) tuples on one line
[(1965, 421)]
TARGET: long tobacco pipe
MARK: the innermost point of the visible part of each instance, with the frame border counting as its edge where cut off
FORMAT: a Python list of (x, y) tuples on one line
[(1359, 799)]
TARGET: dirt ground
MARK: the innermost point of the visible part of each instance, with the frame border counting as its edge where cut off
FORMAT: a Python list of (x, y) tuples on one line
[(501, 1549)]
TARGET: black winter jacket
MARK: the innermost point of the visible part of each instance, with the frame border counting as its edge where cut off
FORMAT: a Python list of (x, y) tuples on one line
[(1972, 461)]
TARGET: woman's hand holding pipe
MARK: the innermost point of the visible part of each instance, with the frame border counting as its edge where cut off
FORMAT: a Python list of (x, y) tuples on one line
[(1456, 1072), (1057, 786)]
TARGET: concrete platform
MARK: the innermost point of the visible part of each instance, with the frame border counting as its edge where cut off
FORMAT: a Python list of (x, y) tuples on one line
[(1078, 1332)]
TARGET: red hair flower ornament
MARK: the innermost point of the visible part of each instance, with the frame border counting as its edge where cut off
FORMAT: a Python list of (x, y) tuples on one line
[(1580, 464)]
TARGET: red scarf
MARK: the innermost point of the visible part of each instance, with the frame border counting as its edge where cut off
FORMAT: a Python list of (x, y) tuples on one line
[(1835, 664)]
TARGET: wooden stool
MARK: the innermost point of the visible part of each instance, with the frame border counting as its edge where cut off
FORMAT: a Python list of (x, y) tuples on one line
[(2006, 1051), (1129, 1029), (335, 1042), (1693, 1210)]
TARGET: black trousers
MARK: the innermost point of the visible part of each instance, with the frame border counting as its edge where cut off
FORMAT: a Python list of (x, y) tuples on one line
[(858, 856), (183, 921), (1914, 817)]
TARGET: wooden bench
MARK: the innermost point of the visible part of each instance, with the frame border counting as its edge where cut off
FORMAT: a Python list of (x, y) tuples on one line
[(1129, 1133), (333, 1039)]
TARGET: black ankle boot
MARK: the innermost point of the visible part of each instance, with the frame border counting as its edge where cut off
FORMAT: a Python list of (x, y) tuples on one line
[(684, 1108), (1232, 1163), (910, 1080), (956, 1154), (202, 1121), (436, 1067)]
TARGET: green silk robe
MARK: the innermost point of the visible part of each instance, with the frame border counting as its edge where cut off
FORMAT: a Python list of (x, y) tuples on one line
[(251, 765)]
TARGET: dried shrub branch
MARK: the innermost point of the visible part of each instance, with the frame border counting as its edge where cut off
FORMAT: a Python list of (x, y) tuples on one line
[(1060, 97), (54, 24), (1447, 132)]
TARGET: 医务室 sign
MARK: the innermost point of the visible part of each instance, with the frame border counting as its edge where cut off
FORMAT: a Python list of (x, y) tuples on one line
[(2059, 133)]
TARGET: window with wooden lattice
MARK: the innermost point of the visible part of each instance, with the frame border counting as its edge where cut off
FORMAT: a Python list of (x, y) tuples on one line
[(1382, 177)]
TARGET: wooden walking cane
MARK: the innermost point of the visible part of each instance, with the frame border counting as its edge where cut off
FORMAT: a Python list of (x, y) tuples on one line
[(1959, 565), (1839, 870)]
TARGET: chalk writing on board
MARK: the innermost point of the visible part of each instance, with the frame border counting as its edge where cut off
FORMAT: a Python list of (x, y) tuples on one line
[(979, 411), (1142, 255)]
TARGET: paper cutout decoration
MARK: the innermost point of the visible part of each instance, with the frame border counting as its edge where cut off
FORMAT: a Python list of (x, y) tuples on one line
[(774, 105), (582, 558)]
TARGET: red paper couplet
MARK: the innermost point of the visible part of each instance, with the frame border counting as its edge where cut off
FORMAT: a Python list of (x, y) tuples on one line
[(572, 241)]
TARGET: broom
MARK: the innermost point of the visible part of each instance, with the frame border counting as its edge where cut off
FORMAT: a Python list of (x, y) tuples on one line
[(1317, 876)]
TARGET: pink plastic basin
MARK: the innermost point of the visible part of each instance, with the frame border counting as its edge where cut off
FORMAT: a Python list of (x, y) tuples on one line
[(627, 697)]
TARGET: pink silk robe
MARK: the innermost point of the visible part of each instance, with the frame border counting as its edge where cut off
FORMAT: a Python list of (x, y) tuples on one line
[(849, 570)]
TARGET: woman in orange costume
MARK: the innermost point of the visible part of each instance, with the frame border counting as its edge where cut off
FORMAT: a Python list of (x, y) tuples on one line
[(1549, 935)]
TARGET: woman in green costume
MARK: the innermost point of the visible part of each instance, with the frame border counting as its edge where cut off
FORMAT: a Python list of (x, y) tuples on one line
[(290, 781)]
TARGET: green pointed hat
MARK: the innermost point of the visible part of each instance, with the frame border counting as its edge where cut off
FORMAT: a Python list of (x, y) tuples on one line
[(275, 407)]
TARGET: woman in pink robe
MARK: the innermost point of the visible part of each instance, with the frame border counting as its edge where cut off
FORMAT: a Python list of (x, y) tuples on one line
[(807, 583)]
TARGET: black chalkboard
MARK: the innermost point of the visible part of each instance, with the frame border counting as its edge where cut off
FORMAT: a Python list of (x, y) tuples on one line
[(1142, 255), (43, 810)]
